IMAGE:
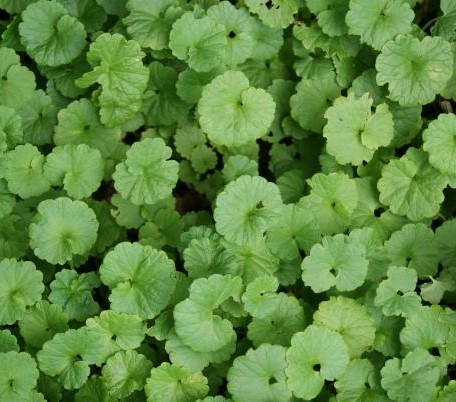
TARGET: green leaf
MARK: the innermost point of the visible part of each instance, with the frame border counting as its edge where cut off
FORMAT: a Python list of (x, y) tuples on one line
[(246, 208), (296, 230), (395, 295), (8, 342), (354, 132), (51, 36), (161, 102), (413, 247), (68, 356), (338, 261), (426, 330), (78, 167), (120, 331), (259, 375), (414, 70), (277, 323), (73, 293), (237, 23), (18, 376), (184, 356), (332, 200), (411, 187), (315, 355), (439, 143), (61, 229), (204, 257), (41, 322), (412, 379), (21, 285), (79, 123), (378, 21), (312, 98), (205, 48), (330, 15), (125, 372), (350, 319), (359, 383), (17, 82), (196, 323), (118, 68), (171, 383), (23, 171), (87, 11), (444, 26), (147, 175), (141, 279), (260, 297), (274, 13), (39, 116), (232, 113), (149, 23), (11, 133)]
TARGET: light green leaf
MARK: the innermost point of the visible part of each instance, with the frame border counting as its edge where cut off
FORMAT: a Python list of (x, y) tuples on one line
[(118, 68), (171, 383), (147, 175), (205, 48), (232, 113), (141, 279), (354, 132), (338, 261), (259, 375), (196, 324), (411, 187), (21, 285), (61, 229), (246, 208), (315, 355), (414, 70), (378, 21)]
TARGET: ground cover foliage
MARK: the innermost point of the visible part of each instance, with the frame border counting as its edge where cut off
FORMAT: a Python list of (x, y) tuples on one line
[(205, 200)]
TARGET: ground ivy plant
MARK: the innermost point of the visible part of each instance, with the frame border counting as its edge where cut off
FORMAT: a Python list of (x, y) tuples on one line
[(247, 201)]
